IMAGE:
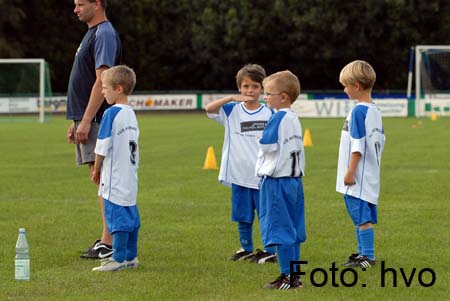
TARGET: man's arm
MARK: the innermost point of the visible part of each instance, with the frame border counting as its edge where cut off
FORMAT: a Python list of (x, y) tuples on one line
[(95, 101)]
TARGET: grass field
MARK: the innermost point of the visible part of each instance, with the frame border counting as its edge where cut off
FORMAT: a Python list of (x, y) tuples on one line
[(186, 232)]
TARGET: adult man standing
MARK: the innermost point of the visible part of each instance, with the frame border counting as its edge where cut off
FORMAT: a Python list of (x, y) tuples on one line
[(99, 50)]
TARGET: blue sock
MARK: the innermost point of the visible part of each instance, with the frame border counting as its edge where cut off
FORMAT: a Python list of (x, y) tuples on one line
[(132, 244), (271, 250), (297, 257), (359, 241), (120, 240), (245, 236), (367, 237), (285, 255)]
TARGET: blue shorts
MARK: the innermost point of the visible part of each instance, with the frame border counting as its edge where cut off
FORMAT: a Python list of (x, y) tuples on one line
[(121, 218), (360, 211), (244, 202), (282, 212)]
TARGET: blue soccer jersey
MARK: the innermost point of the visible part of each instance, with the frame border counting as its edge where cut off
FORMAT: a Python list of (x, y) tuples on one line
[(363, 133), (118, 143), (281, 151), (240, 148)]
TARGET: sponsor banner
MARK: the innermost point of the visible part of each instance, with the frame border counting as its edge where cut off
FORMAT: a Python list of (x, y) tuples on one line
[(56, 103), (18, 105), (440, 106), (341, 108), (163, 102), (207, 98)]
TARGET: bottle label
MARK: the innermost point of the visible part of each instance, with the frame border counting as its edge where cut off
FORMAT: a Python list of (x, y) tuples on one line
[(22, 269)]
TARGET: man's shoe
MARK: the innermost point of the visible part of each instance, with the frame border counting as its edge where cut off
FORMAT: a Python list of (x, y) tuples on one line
[(262, 257), (90, 248), (240, 254), (99, 251), (131, 264), (283, 282), (362, 262), (110, 265)]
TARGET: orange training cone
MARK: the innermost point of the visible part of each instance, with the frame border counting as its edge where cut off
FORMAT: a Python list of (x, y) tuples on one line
[(307, 138), (210, 161)]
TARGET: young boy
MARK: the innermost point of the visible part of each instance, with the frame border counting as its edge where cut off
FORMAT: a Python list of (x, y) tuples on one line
[(115, 168), (281, 164), (358, 173), (244, 119)]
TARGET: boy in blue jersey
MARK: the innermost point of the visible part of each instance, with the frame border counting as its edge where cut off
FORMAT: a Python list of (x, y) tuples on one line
[(281, 165), (361, 146), (115, 168), (244, 119)]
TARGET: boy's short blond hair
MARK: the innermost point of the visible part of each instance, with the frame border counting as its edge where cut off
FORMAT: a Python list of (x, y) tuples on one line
[(120, 75), (286, 82), (360, 72), (254, 71)]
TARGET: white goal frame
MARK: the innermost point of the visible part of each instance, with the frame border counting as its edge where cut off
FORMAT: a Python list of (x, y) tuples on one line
[(41, 63), (419, 49)]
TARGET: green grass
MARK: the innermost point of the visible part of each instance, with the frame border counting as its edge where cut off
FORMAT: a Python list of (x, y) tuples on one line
[(186, 232)]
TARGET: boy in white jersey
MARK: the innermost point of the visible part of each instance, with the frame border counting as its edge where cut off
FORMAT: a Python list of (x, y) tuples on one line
[(115, 168), (361, 146), (244, 119), (281, 165)]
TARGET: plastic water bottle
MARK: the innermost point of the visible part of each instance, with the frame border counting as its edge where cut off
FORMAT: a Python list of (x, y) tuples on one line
[(22, 257)]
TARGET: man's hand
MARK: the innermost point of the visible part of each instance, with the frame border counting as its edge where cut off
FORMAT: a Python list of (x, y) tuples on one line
[(83, 130), (70, 134)]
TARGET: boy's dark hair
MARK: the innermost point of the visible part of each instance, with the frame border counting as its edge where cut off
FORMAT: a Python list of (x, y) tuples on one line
[(104, 3), (254, 71)]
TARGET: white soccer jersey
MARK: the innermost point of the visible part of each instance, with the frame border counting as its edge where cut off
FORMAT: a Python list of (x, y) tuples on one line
[(240, 148), (118, 142), (362, 132), (281, 151)]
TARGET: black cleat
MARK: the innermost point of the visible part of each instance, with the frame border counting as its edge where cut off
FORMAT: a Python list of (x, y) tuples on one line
[(240, 254), (283, 282), (362, 262), (262, 257), (99, 251)]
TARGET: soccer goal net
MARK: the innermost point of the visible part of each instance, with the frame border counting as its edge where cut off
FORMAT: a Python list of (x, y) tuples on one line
[(432, 82), (24, 90)]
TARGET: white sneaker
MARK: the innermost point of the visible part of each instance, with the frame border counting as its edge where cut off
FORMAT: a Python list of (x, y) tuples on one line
[(110, 265), (132, 263)]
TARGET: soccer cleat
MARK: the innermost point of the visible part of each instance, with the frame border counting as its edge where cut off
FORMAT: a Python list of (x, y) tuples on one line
[(99, 251), (110, 265), (262, 257), (90, 248), (283, 282), (351, 259), (362, 262), (240, 254), (131, 264)]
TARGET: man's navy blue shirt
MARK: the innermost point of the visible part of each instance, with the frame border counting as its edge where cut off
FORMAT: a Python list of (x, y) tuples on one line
[(101, 46)]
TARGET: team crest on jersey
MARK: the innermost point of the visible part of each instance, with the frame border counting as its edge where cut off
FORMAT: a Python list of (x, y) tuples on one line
[(250, 126), (345, 128)]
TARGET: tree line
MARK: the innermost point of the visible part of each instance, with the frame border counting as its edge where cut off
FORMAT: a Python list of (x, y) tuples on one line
[(200, 44)]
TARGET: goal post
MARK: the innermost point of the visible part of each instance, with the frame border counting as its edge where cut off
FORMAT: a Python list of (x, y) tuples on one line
[(432, 79), (24, 86)]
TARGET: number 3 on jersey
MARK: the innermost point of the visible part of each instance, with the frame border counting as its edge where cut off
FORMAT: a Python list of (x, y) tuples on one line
[(133, 148)]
